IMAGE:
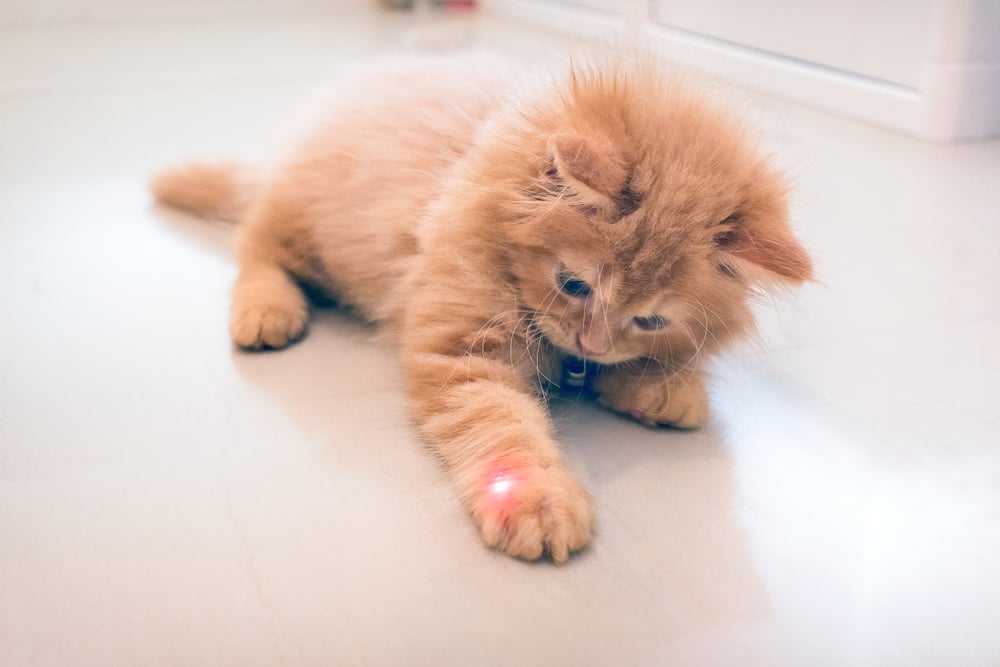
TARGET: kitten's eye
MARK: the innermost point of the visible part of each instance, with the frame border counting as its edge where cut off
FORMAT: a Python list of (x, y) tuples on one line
[(571, 285), (651, 323)]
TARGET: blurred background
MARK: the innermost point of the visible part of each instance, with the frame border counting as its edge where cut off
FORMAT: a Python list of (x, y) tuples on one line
[(929, 68)]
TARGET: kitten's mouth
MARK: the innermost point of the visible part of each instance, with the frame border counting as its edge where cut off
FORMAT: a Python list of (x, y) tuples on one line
[(590, 358)]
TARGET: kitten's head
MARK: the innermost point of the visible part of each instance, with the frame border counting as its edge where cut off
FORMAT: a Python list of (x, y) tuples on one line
[(642, 218)]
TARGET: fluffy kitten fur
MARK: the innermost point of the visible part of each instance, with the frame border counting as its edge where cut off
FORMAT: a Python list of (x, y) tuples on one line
[(613, 214)]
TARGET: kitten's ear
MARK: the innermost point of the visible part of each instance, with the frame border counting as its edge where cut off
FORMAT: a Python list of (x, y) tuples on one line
[(588, 166), (765, 239)]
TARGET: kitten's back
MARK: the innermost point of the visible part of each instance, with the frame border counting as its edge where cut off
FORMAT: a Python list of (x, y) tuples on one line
[(376, 150)]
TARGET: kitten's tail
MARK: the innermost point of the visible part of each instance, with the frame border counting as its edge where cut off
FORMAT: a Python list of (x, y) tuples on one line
[(221, 191)]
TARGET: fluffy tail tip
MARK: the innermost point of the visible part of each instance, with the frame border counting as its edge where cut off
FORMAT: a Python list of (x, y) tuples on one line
[(220, 191)]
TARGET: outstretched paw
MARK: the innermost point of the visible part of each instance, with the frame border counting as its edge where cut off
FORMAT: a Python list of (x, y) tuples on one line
[(527, 511)]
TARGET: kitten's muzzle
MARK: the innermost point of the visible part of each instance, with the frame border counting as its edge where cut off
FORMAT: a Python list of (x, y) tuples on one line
[(586, 350)]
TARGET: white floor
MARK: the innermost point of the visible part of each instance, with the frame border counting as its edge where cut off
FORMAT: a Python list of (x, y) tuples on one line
[(165, 500)]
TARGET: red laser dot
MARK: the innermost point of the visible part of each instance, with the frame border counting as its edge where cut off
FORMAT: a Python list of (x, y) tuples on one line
[(501, 485)]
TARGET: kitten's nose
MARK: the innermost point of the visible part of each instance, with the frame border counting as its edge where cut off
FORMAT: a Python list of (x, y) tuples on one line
[(585, 349)]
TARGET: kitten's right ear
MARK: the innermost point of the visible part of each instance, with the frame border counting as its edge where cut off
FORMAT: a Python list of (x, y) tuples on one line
[(589, 167), (764, 238)]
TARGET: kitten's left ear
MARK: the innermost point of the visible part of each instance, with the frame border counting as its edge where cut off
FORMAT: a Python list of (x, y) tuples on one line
[(763, 237), (589, 166)]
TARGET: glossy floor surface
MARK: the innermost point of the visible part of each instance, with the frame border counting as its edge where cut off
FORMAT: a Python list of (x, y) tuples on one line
[(166, 500)]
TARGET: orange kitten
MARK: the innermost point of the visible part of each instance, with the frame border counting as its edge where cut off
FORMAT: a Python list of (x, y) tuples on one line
[(613, 216)]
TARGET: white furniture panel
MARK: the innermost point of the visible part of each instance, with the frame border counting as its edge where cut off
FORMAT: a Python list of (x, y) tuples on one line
[(885, 40), (930, 68)]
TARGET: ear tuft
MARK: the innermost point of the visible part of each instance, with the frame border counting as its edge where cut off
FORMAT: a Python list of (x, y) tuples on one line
[(587, 166), (767, 242)]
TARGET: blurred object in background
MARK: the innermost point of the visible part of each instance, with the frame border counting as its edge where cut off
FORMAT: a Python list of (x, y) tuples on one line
[(930, 68), (442, 4), (439, 25)]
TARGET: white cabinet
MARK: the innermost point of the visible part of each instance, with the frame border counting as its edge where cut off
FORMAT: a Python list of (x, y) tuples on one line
[(930, 68), (884, 39)]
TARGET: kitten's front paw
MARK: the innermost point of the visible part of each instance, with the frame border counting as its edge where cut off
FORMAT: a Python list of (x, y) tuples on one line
[(526, 511), (681, 403), (274, 325)]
